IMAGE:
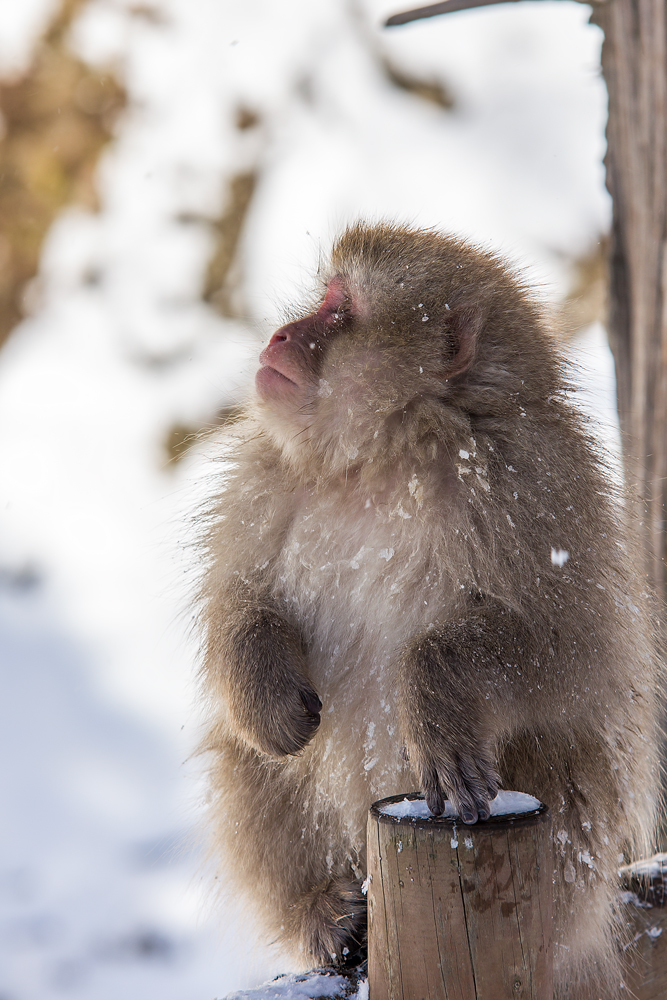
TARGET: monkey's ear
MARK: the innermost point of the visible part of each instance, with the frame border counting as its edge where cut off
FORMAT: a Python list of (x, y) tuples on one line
[(465, 323)]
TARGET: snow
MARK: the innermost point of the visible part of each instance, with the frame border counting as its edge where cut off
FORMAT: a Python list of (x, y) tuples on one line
[(647, 868), (304, 987), (103, 887), (20, 27), (504, 804)]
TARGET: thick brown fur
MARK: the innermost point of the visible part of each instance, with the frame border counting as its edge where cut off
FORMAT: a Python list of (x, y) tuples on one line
[(423, 537)]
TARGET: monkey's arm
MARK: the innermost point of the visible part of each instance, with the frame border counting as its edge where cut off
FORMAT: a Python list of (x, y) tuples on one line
[(256, 664), (460, 687)]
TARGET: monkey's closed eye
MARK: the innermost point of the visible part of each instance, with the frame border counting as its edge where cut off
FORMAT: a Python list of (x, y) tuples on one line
[(343, 313)]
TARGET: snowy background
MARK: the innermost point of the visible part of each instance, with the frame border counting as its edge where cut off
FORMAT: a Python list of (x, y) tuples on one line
[(102, 890)]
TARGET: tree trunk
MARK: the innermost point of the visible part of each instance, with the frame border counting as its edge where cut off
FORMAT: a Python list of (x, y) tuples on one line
[(634, 62)]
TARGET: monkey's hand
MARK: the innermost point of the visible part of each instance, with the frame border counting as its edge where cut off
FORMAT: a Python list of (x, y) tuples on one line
[(454, 768), (258, 666), (280, 718), (448, 729)]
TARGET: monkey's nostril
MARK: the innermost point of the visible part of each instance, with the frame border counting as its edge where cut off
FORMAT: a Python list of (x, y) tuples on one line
[(278, 338)]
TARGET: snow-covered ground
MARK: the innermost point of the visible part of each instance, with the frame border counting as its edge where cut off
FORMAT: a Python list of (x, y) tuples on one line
[(101, 884)]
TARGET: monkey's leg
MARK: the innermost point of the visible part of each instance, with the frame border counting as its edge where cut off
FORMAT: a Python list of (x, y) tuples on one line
[(288, 855), (576, 775), (329, 921), (456, 696), (470, 690), (255, 665)]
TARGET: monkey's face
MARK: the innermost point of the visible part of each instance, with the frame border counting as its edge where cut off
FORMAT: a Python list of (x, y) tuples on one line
[(412, 328), (334, 382), (331, 376), (287, 381)]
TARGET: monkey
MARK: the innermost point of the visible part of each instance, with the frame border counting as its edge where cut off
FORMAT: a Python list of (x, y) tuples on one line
[(417, 577)]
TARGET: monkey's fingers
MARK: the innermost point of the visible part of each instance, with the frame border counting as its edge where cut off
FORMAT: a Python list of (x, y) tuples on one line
[(457, 793), (440, 780), (311, 703), (473, 781), (467, 778), (291, 722), (430, 785), (469, 807), (306, 722)]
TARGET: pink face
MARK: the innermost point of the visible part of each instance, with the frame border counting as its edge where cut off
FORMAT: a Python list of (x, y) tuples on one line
[(290, 362)]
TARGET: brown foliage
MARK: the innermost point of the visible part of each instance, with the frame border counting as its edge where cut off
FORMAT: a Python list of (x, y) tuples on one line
[(428, 88), (218, 289), (587, 299), (57, 117)]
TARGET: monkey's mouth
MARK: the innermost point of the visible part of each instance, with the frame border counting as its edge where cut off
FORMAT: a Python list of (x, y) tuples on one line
[(269, 379)]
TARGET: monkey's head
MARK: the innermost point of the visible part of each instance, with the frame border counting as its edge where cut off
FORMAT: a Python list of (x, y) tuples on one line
[(412, 328)]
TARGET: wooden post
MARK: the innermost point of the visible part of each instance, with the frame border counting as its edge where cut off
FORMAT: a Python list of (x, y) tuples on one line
[(459, 912), (634, 62)]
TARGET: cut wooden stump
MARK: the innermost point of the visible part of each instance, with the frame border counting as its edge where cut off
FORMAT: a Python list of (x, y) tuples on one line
[(459, 912), (473, 921)]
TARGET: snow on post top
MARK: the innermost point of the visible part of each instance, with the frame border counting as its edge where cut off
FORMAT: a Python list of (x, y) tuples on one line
[(505, 803)]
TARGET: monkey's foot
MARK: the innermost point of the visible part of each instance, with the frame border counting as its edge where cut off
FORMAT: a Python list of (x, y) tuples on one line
[(330, 922)]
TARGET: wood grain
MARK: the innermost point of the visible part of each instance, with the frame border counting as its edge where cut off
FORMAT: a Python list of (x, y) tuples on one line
[(459, 913), (634, 62)]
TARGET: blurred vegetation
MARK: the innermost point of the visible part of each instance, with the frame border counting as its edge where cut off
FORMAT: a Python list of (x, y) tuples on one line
[(220, 284), (587, 300), (223, 281), (181, 437), (56, 119), (429, 89)]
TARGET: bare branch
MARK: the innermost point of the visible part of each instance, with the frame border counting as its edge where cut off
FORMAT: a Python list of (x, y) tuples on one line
[(448, 7)]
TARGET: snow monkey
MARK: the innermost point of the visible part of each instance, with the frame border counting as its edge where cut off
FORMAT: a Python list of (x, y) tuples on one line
[(417, 580)]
